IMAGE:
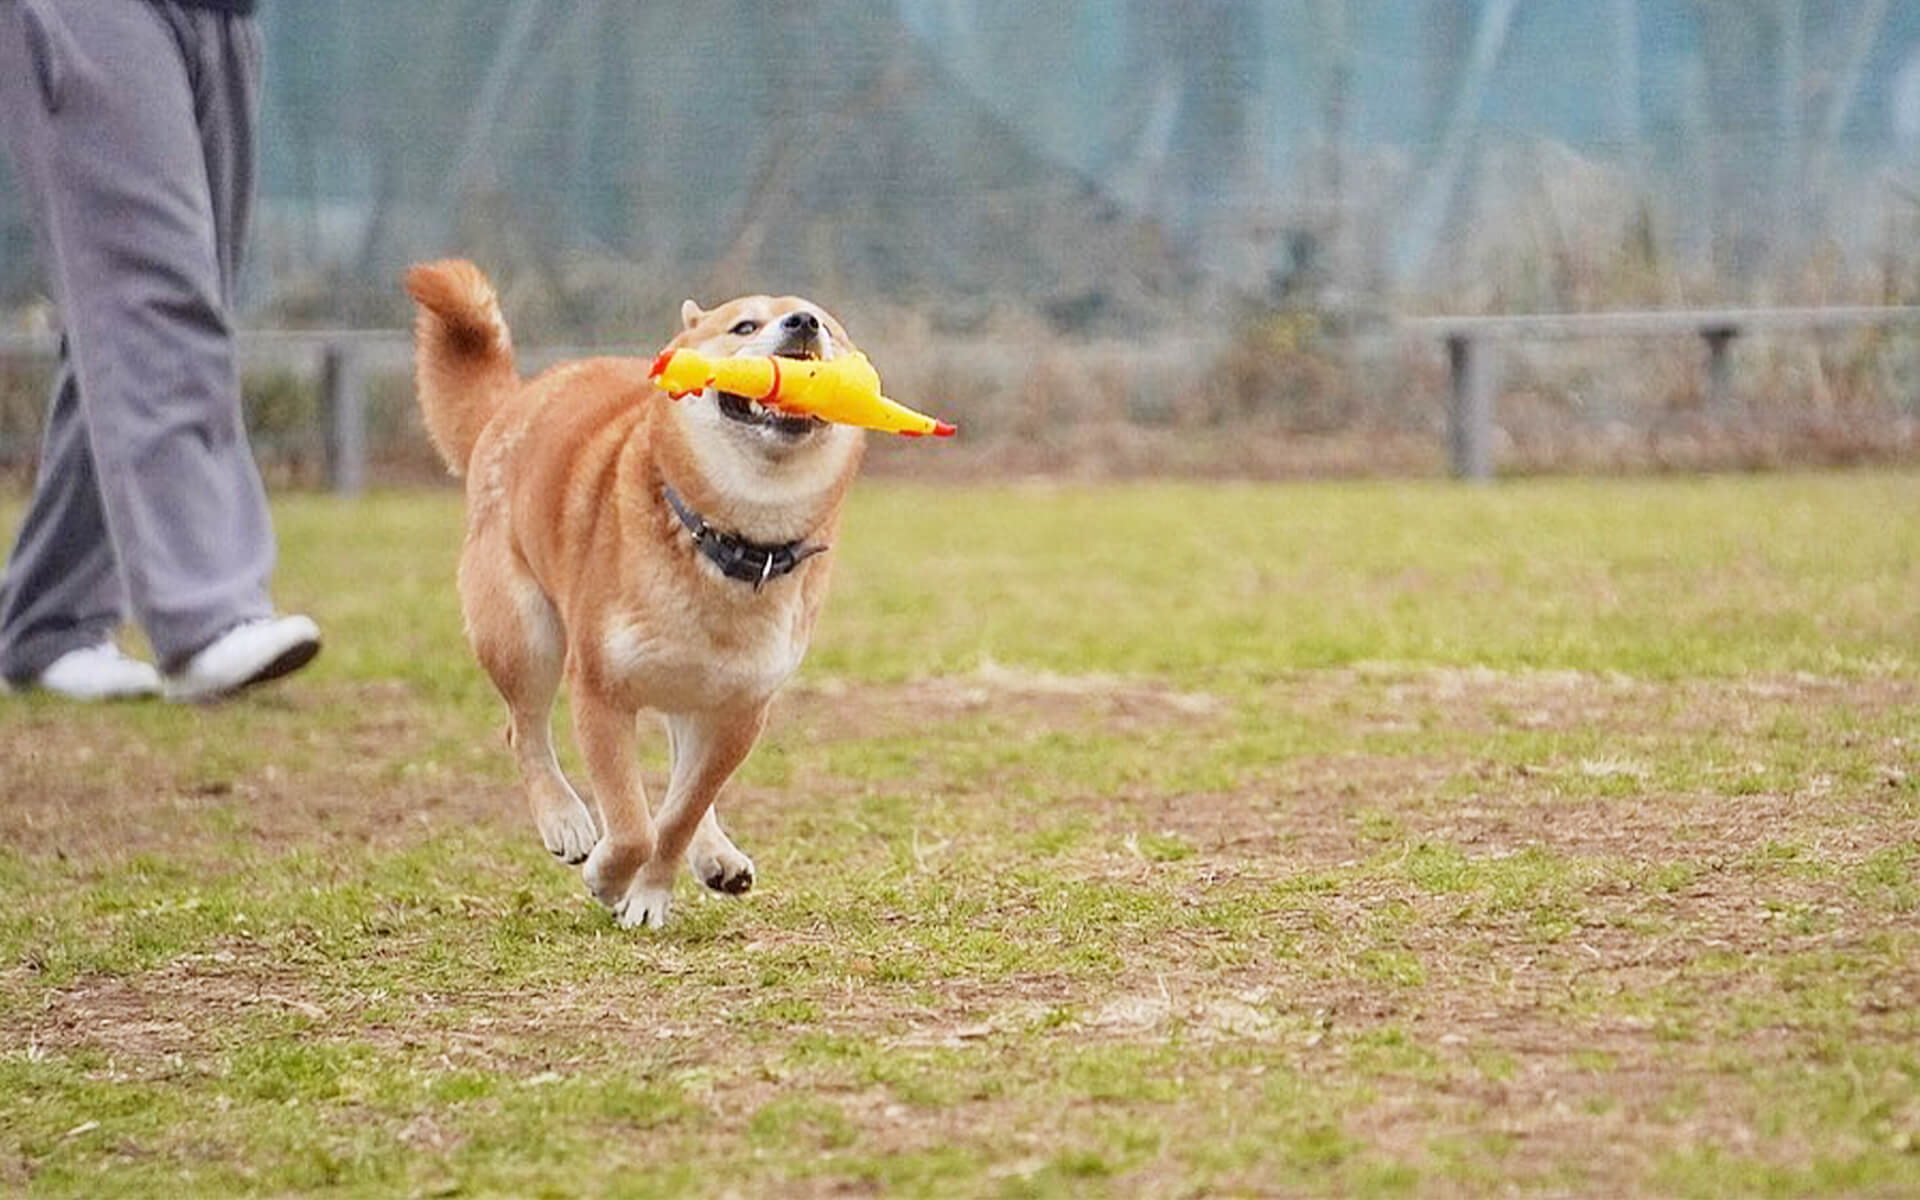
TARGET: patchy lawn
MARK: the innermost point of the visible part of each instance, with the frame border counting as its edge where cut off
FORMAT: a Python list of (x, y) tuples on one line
[(1558, 837)]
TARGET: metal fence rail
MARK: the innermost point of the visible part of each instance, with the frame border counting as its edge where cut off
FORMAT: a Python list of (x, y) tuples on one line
[(1474, 369), (340, 360)]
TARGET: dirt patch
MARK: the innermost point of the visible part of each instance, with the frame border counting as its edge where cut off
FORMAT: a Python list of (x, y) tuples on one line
[(1041, 699), (358, 764)]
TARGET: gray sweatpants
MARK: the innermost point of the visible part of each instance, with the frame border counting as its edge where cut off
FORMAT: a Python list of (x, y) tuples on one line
[(131, 125)]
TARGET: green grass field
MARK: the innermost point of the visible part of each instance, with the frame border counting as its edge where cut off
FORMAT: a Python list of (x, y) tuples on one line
[(1376, 839)]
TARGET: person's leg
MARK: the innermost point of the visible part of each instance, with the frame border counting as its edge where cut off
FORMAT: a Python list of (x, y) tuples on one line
[(227, 102), (225, 53), (62, 590), (120, 175)]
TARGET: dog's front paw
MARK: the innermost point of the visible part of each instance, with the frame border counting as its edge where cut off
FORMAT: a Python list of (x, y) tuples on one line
[(644, 907), (610, 870), (725, 870), (569, 832)]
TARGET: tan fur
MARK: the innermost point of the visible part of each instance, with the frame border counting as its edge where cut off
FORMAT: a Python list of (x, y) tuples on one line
[(575, 567), (463, 359)]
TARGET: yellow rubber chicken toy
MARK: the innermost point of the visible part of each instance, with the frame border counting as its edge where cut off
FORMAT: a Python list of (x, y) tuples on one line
[(845, 390)]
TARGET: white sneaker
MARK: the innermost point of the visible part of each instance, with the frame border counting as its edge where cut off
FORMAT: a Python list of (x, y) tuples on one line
[(99, 672), (249, 653)]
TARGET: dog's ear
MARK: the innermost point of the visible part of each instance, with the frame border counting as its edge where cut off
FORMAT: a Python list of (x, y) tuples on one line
[(690, 314)]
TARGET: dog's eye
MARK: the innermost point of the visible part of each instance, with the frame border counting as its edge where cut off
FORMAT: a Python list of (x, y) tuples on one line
[(744, 328)]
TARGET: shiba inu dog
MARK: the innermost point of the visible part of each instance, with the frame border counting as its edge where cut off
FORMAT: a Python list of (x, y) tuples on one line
[(653, 553)]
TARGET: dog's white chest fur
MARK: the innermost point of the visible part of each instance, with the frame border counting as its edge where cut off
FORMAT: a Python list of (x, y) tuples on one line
[(690, 666)]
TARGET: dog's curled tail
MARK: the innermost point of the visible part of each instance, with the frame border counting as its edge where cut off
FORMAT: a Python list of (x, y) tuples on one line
[(462, 355)]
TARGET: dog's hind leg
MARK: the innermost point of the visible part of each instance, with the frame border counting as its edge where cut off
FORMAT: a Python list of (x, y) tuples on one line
[(711, 854), (715, 860), (516, 635), (707, 748)]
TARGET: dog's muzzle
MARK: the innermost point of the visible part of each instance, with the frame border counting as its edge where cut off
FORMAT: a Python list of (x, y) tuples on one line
[(801, 337)]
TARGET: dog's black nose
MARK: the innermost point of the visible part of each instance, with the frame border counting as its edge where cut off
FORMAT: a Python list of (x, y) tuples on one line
[(803, 323)]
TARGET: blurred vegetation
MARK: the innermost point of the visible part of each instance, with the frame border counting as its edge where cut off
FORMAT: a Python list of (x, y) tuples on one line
[(1123, 237)]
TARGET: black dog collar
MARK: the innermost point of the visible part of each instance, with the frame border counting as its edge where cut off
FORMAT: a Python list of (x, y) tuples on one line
[(738, 558)]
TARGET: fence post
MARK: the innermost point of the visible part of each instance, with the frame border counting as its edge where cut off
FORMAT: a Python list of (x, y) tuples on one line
[(1470, 408), (1719, 339), (343, 404)]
